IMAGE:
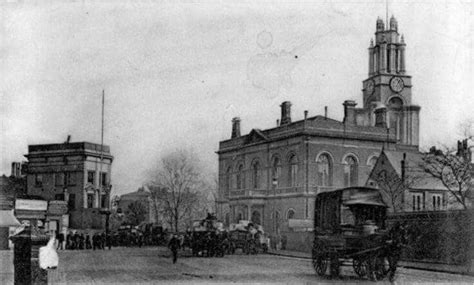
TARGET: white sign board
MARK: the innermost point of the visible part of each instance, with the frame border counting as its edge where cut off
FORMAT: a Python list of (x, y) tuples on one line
[(32, 205)]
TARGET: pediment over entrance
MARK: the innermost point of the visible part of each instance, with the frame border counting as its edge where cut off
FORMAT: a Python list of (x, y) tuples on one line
[(255, 136), (89, 188)]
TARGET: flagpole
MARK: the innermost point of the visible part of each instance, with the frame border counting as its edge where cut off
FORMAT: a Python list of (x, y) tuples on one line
[(101, 151)]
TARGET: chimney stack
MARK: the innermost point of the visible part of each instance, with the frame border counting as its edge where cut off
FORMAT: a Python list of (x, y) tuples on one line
[(381, 117), (285, 112), (305, 114), (235, 128), (16, 169), (463, 150), (349, 112)]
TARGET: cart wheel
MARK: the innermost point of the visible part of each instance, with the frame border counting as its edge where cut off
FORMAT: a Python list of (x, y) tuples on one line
[(360, 266), (382, 267), (320, 264), (378, 267), (334, 266)]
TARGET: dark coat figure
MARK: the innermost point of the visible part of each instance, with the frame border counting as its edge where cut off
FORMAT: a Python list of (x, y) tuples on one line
[(399, 237), (81, 241), (174, 246), (69, 241), (95, 243), (140, 240), (76, 241), (60, 238), (108, 241), (88, 242), (102, 241)]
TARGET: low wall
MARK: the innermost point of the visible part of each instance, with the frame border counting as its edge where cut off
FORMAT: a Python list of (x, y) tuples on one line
[(298, 241)]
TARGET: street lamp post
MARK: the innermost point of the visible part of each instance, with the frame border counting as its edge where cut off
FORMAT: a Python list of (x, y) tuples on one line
[(106, 212)]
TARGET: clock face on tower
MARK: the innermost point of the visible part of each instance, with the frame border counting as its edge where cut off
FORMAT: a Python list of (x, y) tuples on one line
[(397, 84), (369, 87)]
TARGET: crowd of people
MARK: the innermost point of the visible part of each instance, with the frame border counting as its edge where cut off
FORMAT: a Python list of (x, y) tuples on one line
[(80, 241)]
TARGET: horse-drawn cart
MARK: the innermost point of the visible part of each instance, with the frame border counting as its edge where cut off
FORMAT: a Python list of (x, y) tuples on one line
[(350, 226)]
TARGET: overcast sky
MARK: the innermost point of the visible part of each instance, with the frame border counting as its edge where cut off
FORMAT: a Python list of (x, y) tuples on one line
[(174, 75)]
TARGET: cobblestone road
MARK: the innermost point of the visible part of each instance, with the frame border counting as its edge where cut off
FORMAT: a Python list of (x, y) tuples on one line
[(153, 265)]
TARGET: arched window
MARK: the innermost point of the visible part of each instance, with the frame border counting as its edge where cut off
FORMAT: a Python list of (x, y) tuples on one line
[(290, 214), (395, 103), (394, 117), (350, 171), (227, 181), (292, 171), (256, 217), (324, 170), (240, 177), (256, 175), (371, 163), (276, 169)]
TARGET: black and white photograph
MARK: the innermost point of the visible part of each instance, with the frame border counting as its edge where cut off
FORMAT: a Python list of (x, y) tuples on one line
[(236, 142)]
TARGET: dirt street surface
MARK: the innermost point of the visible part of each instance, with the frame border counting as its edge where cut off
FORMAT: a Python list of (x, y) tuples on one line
[(153, 265)]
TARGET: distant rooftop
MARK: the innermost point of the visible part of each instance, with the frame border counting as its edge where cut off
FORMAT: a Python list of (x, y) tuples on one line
[(68, 146)]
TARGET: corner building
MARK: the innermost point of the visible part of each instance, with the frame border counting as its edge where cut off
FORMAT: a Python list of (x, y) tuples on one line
[(72, 172), (272, 176)]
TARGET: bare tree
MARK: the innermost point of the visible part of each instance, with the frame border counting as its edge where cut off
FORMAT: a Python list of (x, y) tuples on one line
[(453, 168), (178, 189), (135, 213), (394, 187)]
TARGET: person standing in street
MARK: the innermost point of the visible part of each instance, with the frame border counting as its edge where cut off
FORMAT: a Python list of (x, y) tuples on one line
[(174, 246), (60, 238)]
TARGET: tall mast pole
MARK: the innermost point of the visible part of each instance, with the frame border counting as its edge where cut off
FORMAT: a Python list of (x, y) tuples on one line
[(386, 14), (101, 151)]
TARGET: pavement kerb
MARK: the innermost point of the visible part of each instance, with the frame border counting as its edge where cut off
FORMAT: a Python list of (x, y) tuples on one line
[(402, 264)]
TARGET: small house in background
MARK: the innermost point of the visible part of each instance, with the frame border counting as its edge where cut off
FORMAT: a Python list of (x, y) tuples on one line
[(406, 186), (142, 196)]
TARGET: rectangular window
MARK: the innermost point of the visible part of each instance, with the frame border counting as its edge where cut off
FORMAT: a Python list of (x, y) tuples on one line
[(103, 201), (58, 179), (417, 202), (90, 200), (91, 177), (72, 201), (104, 179), (437, 202), (38, 180)]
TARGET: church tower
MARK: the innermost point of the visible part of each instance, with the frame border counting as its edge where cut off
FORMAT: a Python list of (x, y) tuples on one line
[(388, 85)]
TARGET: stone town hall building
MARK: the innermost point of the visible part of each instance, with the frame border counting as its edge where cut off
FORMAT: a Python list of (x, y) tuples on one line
[(272, 176)]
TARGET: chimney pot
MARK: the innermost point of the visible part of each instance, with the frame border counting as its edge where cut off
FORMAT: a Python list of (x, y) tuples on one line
[(285, 112), (349, 112), (235, 127), (305, 114)]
